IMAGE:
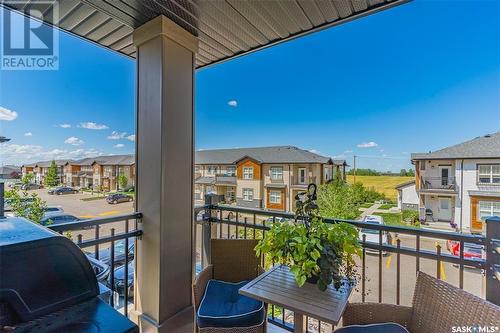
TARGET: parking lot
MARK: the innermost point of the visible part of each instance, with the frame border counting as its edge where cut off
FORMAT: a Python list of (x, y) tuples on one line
[(73, 204)]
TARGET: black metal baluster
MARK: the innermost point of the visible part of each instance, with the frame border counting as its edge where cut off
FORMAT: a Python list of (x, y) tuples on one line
[(220, 223), (380, 266), (112, 257), (363, 270), (245, 219), (79, 239), (237, 221), (417, 256), (254, 224), (461, 270), (125, 293), (228, 227), (96, 247), (398, 271)]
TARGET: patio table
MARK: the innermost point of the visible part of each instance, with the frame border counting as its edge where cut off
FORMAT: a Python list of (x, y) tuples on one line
[(278, 287)]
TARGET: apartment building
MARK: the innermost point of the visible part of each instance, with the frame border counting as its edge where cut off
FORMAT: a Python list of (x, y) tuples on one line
[(40, 169), (79, 173), (106, 170), (100, 172), (265, 177), (461, 183)]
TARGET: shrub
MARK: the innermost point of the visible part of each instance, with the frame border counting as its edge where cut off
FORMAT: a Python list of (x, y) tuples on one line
[(410, 216)]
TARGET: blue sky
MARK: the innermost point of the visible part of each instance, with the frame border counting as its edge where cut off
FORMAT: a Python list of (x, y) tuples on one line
[(415, 78)]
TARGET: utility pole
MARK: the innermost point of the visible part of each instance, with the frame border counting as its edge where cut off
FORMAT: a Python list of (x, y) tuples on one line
[(354, 166)]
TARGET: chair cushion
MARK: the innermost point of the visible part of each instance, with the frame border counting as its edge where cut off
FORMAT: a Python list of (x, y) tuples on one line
[(222, 306), (373, 328)]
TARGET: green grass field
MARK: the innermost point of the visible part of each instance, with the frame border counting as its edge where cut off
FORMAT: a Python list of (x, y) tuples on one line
[(382, 184)]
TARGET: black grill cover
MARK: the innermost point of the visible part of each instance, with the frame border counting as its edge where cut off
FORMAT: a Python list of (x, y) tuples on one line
[(42, 274)]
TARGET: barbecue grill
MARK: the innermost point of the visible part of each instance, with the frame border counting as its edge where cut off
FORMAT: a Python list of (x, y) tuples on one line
[(48, 285)]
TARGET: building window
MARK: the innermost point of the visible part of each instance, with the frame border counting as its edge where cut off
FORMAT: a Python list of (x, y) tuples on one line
[(247, 173), (488, 208), (489, 174), (212, 170), (231, 170), (275, 197), (302, 175), (196, 169), (230, 195), (276, 173), (247, 194)]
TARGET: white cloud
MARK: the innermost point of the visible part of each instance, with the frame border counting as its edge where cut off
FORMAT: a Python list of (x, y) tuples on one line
[(22, 154), (73, 140), (314, 151), (131, 137), (117, 135), (347, 152), (232, 103), (119, 145), (7, 115), (92, 126), (64, 125), (370, 144), (28, 134)]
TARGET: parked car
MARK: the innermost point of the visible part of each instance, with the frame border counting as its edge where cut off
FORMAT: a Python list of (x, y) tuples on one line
[(17, 184), (31, 186), (105, 254), (53, 209), (471, 250), (63, 190), (118, 197), (130, 188), (58, 218), (372, 235), (101, 269), (119, 282)]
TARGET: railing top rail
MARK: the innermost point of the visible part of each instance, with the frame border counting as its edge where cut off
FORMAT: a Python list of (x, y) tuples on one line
[(91, 222), (476, 239)]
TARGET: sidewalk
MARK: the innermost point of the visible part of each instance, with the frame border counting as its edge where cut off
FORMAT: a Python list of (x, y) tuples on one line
[(369, 211)]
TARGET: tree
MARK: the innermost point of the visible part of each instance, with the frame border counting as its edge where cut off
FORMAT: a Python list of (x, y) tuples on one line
[(28, 206), (28, 178), (364, 172), (122, 181), (51, 178), (403, 173), (410, 173), (336, 200)]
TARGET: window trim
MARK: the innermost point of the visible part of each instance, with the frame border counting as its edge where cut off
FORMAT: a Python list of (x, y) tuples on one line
[(491, 174), (250, 198), (305, 175), (492, 202), (245, 174), (233, 170), (271, 175), (279, 202)]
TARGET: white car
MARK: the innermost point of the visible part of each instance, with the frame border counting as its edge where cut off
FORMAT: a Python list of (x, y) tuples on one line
[(372, 235)]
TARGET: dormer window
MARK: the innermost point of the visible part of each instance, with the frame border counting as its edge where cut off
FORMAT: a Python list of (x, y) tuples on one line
[(247, 173)]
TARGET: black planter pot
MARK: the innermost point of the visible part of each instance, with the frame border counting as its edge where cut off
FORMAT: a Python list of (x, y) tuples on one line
[(313, 279)]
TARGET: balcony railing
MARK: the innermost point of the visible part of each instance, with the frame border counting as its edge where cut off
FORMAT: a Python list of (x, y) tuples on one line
[(424, 246), (104, 233), (409, 248), (298, 181), (438, 183)]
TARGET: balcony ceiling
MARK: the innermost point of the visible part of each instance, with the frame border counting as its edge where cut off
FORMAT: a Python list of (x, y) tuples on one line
[(225, 28)]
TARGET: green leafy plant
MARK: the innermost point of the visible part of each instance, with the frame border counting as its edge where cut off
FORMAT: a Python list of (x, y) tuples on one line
[(28, 178), (314, 250), (51, 179), (28, 206), (122, 181)]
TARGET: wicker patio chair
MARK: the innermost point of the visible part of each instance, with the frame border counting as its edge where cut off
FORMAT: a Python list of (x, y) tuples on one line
[(232, 260), (437, 307)]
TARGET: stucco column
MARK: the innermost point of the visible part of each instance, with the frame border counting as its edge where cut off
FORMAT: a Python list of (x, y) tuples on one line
[(164, 153)]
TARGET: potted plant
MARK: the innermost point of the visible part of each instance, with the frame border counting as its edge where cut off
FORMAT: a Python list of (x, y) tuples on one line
[(315, 251)]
